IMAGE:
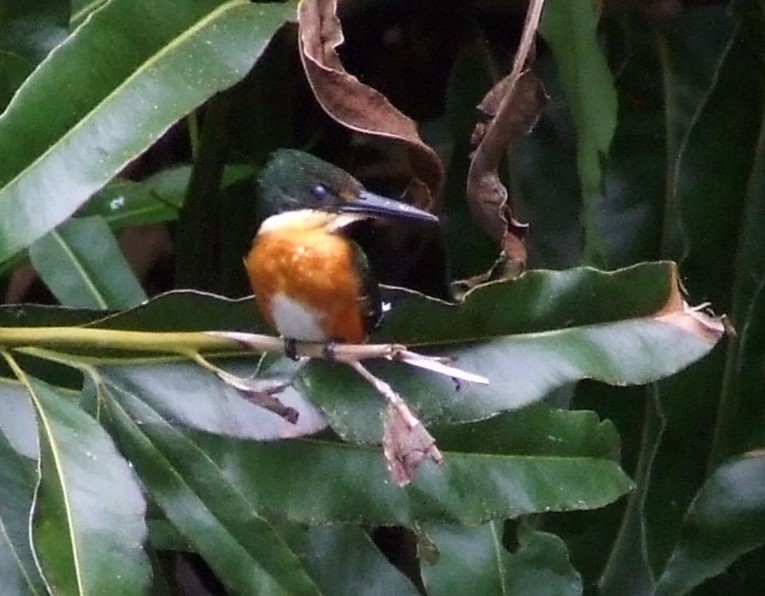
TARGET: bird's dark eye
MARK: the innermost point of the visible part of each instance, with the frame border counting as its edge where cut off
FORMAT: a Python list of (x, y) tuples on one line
[(320, 192)]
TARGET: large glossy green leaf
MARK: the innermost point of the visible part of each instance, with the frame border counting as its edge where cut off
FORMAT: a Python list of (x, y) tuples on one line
[(533, 344), (116, 93), (535, 302), (89, 524), (215, 516), (569, 27), (732, 109), (725, 520), (187, 311), (528, 336), (349, 483), (536, 430), (723, 103), (538, 301), (475, 560), (81, 263)]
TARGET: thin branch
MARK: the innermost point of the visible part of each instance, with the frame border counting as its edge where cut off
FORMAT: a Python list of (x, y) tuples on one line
[(357, 352), (526, 45), (191, 344), (113, 339)]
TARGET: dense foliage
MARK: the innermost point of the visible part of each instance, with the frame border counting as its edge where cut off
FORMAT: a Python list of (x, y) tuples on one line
[(616, 450)]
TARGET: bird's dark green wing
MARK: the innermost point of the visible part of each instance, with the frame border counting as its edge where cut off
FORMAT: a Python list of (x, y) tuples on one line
[(371, 301)]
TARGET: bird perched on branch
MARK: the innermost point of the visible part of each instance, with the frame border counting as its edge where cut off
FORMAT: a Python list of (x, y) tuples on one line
[(312, 281)]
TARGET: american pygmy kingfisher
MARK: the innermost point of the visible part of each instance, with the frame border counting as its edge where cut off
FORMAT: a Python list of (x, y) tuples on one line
[(312, 281)]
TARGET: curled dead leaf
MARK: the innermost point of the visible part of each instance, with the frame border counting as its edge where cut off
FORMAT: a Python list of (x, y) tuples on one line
[(357, 106), (513, 107), (510, 110)]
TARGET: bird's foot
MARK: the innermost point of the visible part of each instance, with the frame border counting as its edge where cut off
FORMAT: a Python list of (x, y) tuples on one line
[(328, 351), (290, 348)]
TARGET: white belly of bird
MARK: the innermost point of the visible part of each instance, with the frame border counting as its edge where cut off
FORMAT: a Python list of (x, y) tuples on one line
[(296, 321)]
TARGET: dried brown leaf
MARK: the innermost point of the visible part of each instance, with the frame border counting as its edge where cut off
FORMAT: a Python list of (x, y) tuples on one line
[(406, 443), (696, 322), (510, 110), (692, 319), (511, 118), (358, 106)]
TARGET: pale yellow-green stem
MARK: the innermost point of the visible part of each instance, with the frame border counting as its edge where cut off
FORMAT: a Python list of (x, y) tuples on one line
[(190, 344), (139, 341)]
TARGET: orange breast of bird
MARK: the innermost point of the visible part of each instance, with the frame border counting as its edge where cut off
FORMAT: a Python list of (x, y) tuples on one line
[(306, 285)]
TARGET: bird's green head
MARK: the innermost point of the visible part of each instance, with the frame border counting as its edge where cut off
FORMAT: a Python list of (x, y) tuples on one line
[(293, 180)]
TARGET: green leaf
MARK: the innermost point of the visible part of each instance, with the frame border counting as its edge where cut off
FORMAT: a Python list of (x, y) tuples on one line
[(732, 110), (17, 419), (741, 425), (188, 311), (678, 466), (13, 70), (33, 29), (537, 301), (535, 447), (89, 528), (725, 520), (570, 29), (693, 47), (536, 430), (475, 560), (215, 516), (344, 560), (349, 483), (155, 199), (719, 219), (173, 311), (626, 568), (189, 52), (551, 147), (81, 9), (540, 332), (169, 389), (635, 175), (18, 476), (83, 266)]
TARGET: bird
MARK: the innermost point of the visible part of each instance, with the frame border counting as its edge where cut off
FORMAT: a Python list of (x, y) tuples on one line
[(311, 279)]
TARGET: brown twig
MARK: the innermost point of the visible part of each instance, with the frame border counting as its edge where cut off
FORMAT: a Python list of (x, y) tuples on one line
[(352, 353)]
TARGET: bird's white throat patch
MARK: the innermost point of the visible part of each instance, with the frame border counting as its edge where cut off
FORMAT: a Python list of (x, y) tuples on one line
[(309, 219), (295, 320)]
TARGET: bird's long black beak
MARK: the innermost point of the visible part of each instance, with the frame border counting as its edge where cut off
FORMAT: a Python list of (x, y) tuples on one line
[(368, 203)]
